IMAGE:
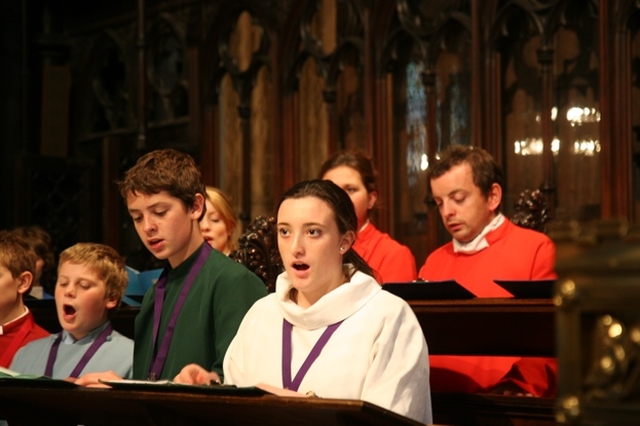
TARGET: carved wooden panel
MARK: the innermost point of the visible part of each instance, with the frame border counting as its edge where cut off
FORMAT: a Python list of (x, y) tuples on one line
[(531, 210), (60, 195), (278, 90), (427, 65), (108, 102), (326, 76), (242, 96), (549, 71), (598, 325), (258, 250), (167, 68)]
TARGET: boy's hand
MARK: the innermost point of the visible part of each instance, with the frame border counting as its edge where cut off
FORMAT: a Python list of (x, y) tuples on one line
[(193, 374), (92, 380)]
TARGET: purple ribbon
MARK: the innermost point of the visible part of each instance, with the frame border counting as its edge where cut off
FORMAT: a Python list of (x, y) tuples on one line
[(287, 383), (53, 353), (157, 363)]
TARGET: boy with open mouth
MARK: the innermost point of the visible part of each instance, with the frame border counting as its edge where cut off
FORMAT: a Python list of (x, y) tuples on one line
[(91, 282)]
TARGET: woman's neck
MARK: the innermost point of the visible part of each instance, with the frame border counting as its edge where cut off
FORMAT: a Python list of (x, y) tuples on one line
[(306, 299)]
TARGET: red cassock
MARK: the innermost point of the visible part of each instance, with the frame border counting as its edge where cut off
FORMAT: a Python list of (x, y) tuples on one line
[(391, 261), (16, 334), (514, 253)]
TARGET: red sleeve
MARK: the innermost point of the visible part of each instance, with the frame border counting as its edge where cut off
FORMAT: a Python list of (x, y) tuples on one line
[(398, 266), (537, 376), (545, 262)]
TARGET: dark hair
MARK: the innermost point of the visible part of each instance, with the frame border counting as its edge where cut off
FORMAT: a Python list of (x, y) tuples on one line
[(343, 213), (16, 255), (357, 161), (164, 170), (484, 168), (40, 242)]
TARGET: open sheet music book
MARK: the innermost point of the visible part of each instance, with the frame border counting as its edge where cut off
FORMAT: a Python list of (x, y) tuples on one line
[(170, 386), (15, 378), (139, 283), (429, 290), (528, 289), (6, 373)]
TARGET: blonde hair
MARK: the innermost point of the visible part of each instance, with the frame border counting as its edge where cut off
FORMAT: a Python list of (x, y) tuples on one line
[(104, 261), (222, 204)]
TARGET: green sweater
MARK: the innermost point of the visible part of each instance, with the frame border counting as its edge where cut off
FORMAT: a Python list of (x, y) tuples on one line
[(221, 294)]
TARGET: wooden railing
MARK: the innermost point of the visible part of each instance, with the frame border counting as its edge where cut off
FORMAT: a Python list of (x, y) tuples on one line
[(26, 405), (521, 327)]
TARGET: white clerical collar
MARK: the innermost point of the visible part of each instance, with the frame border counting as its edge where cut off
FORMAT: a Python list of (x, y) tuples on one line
[(479, 242), (26, 311)]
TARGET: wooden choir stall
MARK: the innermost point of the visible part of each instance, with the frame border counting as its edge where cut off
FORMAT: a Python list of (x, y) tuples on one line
[(453, 324), (471, 326), (56, 404)]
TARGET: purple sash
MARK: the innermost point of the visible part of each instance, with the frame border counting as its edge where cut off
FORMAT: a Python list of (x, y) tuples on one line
[(287, 383), (157, 362), (53, 353)]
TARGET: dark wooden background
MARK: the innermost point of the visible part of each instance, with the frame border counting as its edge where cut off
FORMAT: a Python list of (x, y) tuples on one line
[(86, 87)]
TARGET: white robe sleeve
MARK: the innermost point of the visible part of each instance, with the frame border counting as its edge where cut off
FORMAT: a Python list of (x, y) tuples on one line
[(399, 374)]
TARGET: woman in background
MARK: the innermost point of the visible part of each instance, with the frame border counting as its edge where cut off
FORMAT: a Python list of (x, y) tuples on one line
[(354, 172), (219, 222)]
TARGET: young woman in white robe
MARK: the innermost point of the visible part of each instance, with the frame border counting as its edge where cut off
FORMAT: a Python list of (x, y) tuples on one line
[(329, 329)]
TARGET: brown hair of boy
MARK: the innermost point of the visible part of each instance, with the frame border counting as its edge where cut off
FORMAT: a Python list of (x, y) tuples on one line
[(16, 255), (164, 170)]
